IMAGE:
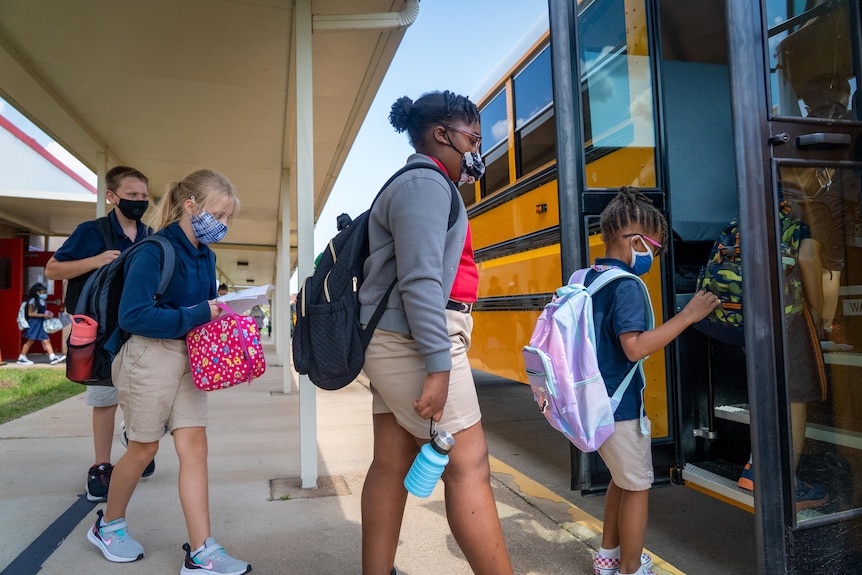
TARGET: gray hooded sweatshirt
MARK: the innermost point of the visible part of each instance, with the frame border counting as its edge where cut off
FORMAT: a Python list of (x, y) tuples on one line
[(408, 239)]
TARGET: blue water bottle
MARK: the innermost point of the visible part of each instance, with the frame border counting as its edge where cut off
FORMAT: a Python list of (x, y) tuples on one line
[(429, 464)]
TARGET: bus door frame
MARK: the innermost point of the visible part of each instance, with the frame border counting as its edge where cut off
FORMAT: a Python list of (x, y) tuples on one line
[(759, 148), (574, 199)]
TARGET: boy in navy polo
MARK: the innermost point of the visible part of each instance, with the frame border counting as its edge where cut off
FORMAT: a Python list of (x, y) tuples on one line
[(85, 251)]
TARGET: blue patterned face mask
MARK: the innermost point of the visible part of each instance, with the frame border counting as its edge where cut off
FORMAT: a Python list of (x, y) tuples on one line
[(208, 230)]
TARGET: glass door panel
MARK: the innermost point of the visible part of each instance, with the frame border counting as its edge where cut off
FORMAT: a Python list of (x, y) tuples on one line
[(617, 95), (811, 64), (824, 337)]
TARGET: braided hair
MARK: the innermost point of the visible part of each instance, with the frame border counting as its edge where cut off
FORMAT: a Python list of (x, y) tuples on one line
[(631, 206), (431, 109)]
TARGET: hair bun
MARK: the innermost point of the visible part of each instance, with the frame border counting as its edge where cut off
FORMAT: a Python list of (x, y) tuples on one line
[(400, 113)]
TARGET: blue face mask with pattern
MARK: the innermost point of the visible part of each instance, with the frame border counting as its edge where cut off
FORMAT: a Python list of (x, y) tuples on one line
[(207, 229)]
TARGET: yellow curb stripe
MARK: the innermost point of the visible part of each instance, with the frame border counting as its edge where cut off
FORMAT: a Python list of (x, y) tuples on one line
[(533, 488)]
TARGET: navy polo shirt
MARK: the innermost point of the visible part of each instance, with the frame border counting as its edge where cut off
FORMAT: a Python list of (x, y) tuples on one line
[(185, 302), (86, 241), (618, 308)]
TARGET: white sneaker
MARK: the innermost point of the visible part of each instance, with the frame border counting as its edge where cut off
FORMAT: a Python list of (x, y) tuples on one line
[(24, 360), (54, 360)]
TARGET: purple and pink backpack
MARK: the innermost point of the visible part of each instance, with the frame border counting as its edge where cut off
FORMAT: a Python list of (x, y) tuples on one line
[(562, 362)]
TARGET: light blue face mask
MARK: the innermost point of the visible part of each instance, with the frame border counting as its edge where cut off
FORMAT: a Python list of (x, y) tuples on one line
[(43, 296), (641, 261)]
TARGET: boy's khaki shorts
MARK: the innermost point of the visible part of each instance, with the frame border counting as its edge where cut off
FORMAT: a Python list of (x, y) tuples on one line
[(628, 455), (397, 373), (155, 388)]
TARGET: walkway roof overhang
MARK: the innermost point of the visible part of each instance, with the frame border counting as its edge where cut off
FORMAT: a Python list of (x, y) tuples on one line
[(170, 87)]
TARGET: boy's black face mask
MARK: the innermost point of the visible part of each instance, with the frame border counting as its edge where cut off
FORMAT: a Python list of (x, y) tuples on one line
[(133, 209)]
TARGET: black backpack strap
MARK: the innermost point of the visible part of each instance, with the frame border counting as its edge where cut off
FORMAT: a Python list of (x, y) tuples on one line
[(169, 262), (106, 230), (453, 209)]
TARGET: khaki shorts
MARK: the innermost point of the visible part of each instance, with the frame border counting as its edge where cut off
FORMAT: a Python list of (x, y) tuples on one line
[(397, 373), (101, 396), (628, 455), (155, 388)]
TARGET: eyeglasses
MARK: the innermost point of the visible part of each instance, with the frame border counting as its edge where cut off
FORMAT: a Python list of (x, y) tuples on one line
[(475, 139), (647, 239)]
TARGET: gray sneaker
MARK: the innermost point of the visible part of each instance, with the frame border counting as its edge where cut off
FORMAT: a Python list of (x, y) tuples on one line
[(212, 559), (114, 541)]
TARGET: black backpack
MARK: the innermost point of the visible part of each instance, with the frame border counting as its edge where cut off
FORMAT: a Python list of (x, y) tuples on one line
[(328, 340), (76, 284), (100, 301)]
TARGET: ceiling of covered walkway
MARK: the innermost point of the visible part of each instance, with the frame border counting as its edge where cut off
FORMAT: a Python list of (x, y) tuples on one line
[(172, 86)]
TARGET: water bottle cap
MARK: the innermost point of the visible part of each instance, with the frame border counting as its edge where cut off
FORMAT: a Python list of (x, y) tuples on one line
[(84, 326), (442, 442)]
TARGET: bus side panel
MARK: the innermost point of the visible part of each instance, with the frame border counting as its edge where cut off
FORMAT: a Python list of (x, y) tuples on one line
[(498, 337), (517, 217), (632, 166), (530, 272)]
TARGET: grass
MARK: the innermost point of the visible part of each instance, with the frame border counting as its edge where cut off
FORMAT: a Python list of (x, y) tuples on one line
[(24, 391)]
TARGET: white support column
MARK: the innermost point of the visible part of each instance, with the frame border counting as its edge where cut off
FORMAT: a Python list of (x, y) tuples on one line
[(275, 296), (101, 170), (305, 224), (282, 325)]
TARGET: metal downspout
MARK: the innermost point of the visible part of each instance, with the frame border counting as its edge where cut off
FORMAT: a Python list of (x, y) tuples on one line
[(371, 21)]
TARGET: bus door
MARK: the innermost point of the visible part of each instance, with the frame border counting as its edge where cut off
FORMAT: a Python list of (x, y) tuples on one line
[(606, 104), (796, 118), (11, 296)]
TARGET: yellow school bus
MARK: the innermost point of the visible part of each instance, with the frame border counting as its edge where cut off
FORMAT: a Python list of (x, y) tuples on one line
[(716, 110)]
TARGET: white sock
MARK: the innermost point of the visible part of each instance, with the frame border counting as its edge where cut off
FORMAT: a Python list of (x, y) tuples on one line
[(612, 553), (199, 549)]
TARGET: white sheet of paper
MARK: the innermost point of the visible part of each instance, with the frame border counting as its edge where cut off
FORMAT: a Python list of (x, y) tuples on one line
[(244, 299)]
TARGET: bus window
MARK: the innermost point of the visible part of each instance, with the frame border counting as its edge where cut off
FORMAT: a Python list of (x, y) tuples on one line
[(535, 132), (616, 89), (468, 193), (495, 144), (810, 59)]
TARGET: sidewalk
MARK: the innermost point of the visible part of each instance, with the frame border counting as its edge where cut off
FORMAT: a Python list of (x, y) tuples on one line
[(258, 511)]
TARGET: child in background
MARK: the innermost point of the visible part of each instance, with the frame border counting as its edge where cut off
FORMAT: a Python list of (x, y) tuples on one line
[(36, 314), (633, 231), (152, 375)]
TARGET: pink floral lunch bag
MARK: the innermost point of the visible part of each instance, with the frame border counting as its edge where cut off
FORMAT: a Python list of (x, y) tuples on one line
[(225, 351)]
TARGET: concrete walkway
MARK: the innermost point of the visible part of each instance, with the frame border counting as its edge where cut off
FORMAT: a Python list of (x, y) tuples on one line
[(258, 511)]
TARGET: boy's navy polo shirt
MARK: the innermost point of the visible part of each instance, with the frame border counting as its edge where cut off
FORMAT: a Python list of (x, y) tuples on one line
[(185, 303), (86, 241), (618, 308)]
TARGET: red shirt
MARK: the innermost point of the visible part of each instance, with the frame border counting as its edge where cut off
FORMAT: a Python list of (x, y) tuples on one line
[(466, 284)]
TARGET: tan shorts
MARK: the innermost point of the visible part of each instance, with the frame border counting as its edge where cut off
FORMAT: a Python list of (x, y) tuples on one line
[(155, 388), (628, 455), (397, 373)]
